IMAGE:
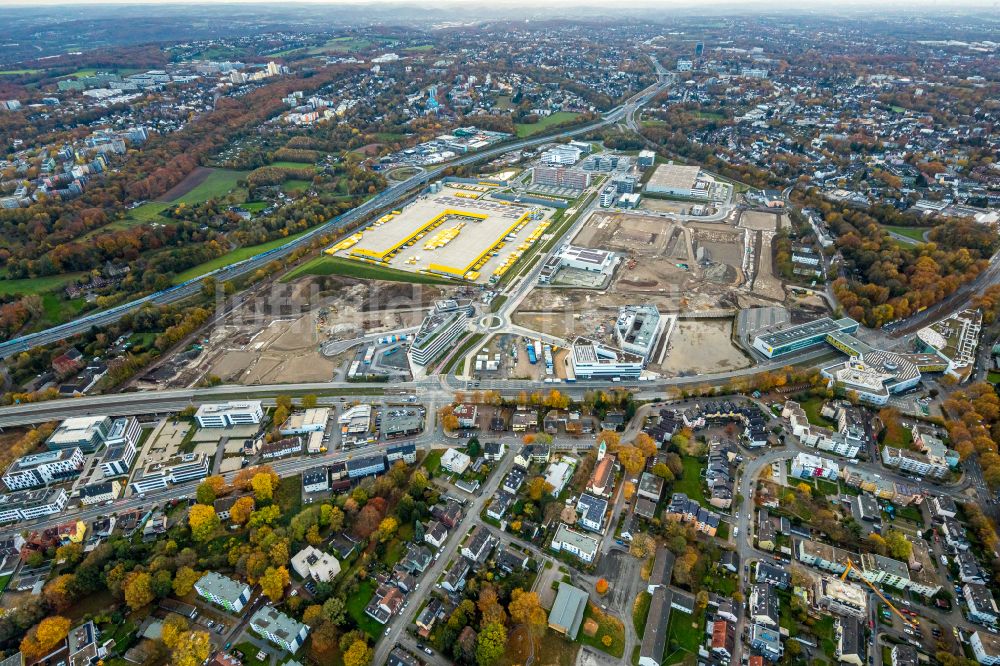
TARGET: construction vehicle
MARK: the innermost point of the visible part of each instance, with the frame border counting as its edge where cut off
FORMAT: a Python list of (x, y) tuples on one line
[(906, 621)]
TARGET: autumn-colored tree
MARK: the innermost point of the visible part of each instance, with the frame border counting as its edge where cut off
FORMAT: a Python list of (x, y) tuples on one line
[(309, 401), (244, 478), (58, 592), (642, 546), (632, 459), (324, 638), (184, 581), (602, 586), (491, 643), (265, 516), (203, 522), (273, 583), (661, 470), (192, 651), (139, 590), (610, 439), (877, 543), (241, 509), (263, 485), (387, 529), (280, 415), (645, 443), (359, 654), (489, 605), (210, 489), (175, 629), (44, 637), (313, 615), (537, 487), (526, 608), (629, 490), (899, 546)]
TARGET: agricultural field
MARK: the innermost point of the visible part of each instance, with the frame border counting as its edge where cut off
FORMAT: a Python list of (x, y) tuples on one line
[(200, 186)]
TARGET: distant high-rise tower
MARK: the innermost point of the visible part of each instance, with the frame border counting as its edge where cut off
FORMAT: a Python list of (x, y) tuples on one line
[(699, 49)]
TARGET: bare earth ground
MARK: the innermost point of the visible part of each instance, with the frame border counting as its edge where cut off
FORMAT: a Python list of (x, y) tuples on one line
[(701, 345), (276, 339), (191, 181), (759, 221)]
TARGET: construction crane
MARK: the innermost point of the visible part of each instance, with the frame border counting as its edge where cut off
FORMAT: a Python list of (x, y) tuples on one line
[(907, 621)]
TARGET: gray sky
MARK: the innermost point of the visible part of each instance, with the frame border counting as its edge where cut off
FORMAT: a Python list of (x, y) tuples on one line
[(944, 5)]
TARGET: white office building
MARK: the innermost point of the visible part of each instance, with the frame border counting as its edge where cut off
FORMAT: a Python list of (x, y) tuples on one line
[(42, 468), (118, 459), (593, 360), (87, 433), (31, 504), (227, 414), (437, 332), (638, 328), (123, 431)]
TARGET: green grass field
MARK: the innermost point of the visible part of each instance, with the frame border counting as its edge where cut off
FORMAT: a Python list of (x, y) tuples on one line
[(422, 47), (238, 254), (37, 285), (295, 185), (250, 651), (916, 233), (218, 184), (607, 625), (690, 481), (18, 72), (284, 164), (640, 611), (685, 631), (356, 604), (525, 130), (812, 408), (432, 463), (342, 45), (327, 265)]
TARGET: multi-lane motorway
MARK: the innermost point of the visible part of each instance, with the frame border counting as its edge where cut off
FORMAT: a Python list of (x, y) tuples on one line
[(385, 199)]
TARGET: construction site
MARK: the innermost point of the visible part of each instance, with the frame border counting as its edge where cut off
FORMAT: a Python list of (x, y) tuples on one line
[(702, 271), (454, 230), (279, 338)]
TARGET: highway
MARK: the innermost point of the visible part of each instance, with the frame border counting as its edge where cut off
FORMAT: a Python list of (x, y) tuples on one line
[(439, 387), (383, 200)]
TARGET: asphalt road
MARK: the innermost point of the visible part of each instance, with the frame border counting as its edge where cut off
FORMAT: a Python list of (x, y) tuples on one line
[(397, 625)]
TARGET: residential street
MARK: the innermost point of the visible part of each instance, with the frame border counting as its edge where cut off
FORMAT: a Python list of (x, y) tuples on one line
[(397, 626)]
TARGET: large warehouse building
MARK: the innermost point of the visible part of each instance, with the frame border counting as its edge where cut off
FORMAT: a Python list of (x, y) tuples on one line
[(678, 180)]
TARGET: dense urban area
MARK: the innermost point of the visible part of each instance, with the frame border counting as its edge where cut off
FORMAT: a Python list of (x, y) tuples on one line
[(411, 335)]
